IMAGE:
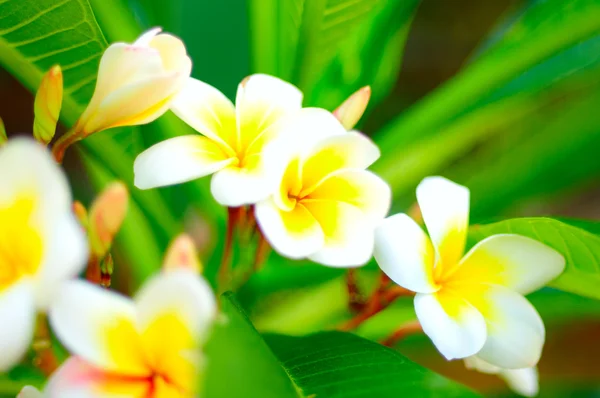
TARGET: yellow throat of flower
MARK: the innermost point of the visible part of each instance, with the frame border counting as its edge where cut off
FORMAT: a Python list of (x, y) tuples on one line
[(21, 247)]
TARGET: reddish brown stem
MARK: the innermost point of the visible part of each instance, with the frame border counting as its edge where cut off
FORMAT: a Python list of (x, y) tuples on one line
[(408, 329), (60, 146), (356, 302), (45, 359), (262, 251), (93, 272), (233, 216), (377, 303)]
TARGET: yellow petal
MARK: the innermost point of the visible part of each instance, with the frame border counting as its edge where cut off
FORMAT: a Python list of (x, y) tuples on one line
[(48, 101)]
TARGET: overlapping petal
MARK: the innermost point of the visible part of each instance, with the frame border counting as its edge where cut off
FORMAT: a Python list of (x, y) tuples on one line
[(522, 381), (517, 262), (445, 209), (294, 233), (405, 253), (100, 327), (178, 160), (456, 327), (17, 315)]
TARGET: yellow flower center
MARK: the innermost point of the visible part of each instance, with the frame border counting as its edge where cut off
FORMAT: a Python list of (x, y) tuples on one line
[(21, 246)]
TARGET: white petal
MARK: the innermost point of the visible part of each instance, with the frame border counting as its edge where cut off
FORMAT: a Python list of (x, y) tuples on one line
[(456, 328), (517, 262), (146, 37), (83, 315), (445, 209), (515, 330), (265, 89), (180, 291), (295, 234), (30, 392), (349, 236), (360, 188), (522, 381), (65, 257), (77, 378), (17, 317), (208, 111), (178, 160), (173, 54), (234, 186), (404, 252)]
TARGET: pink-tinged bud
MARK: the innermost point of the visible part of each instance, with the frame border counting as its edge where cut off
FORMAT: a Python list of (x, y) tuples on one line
[(48, 102), (351, 110), (182, 254), (3, 137), (106, 216), (81, 213)]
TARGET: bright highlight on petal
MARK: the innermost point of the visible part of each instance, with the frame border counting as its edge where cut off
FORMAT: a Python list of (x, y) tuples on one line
[(522, 381), (473, 304), (147, 347), (41, 243), (327, 204), (239, 144)]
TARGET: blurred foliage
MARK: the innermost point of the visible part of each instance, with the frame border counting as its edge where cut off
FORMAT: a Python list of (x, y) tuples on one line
[(517, 123)]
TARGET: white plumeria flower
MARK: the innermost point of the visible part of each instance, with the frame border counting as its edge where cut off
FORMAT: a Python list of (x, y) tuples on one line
[(41, 243), (146, 347), (470, 304), (236, 142), (521, 381), (327, 205), (136, 82)]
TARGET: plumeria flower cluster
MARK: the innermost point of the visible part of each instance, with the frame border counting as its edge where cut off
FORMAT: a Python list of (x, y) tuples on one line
[(300, 174)]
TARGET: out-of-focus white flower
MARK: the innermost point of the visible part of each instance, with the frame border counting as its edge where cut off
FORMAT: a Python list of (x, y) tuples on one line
[(147, 347), (41, 243), (521, 381), (471, 304), (236, 141), (327, 205), (30, 392)]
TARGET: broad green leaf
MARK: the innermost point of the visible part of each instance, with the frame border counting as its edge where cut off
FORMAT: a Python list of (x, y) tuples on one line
[(550, 44), (342, 365), (239, 362), (580, 248), (295, 39), (372, 55)]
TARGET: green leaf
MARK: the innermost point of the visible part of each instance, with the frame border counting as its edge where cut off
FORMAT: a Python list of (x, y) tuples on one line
[(37, 34), (335, 364), (240, 364), (371, 55), (547, 54), (295, 39), (580, 248)]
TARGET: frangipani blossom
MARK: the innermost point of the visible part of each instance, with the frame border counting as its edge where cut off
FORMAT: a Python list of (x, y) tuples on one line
[(148, 347), (236, 142), (471, 304), (327, 205), (136, 84), (521, 381), (41, 243)]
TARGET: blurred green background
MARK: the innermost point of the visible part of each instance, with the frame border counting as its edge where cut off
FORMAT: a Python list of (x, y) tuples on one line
[(501, 96)]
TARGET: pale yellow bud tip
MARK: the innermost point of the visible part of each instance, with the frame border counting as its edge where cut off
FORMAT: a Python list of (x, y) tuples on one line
[(181, 254), (48, 102), (351, 110), (106, 216)]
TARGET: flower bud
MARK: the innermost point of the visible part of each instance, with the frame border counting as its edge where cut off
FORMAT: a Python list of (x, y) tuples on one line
[(48, 102), (106, 216), (181, 254), (351, 110), (3, 137)]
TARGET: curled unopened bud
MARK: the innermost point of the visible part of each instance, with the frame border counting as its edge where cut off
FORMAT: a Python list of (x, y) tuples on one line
[(182, 254), (136, 83), (48, 102), (351, 110), (3, 137), (81, 213), (106, 216)]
